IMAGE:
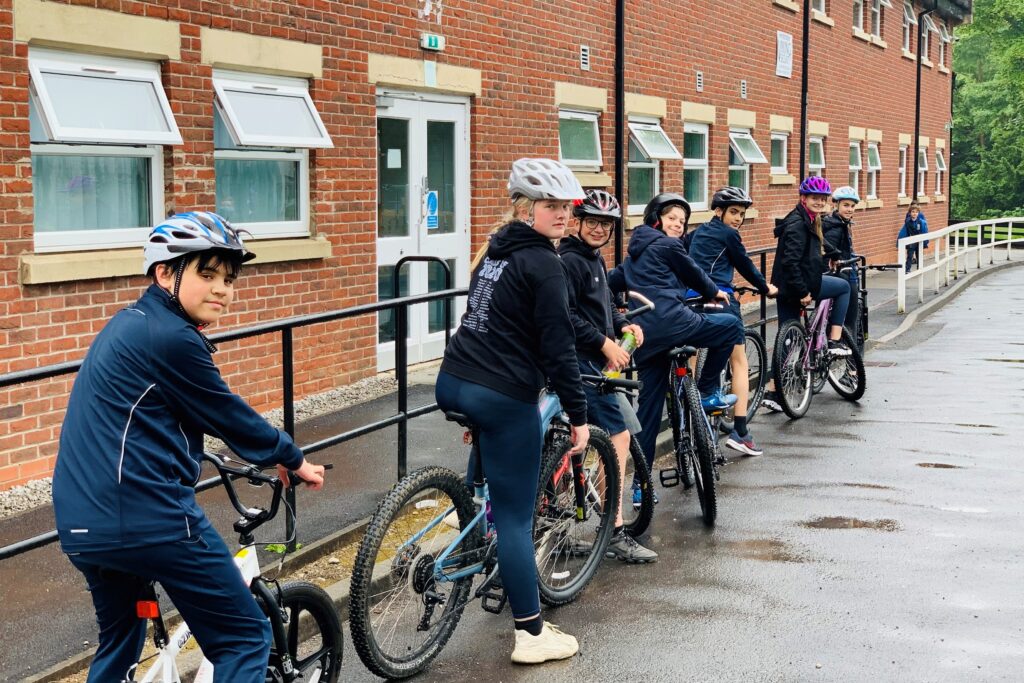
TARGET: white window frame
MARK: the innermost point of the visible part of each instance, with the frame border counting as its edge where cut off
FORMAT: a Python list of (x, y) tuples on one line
[(736, 134), (582, 164), (904, 153), (102, 68), (784, 137), (926, 38), (637, 124), (858, 14), (74, 239), (940, 170), (270, 229), (873, 170), (703, 164), (876, 16), (922, 172), (651, 163), (818, 6), (946, 39), (855, 168), (909, 20), (226, 82), (816, 169)]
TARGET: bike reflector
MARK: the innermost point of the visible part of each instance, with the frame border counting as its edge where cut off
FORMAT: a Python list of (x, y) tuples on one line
[(147, 609), (681, 371)]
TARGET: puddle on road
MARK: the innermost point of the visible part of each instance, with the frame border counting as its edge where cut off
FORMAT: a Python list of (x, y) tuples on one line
[(1005, 360), (869, 486), (978, 425), (940, 465), (765, 550), (852, 523)]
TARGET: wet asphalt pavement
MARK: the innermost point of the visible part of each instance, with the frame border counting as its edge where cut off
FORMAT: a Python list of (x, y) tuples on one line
[(879, 541), (873, 541)]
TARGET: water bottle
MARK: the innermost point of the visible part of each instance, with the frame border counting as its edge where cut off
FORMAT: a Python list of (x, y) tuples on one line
[(627, 344)]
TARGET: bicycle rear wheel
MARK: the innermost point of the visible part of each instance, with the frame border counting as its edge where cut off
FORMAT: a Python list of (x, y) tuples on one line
[(701, 452), (792, 380), (757, 379), (313, 632), (847, 374), (680, 439), (570, 536), (400, 615), (636, 519)]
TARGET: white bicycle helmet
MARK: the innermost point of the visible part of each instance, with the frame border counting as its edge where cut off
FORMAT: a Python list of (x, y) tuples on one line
[(189, 232), (846, 192), (543, 179)]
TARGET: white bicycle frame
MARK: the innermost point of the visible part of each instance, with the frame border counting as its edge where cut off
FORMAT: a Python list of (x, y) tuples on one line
[(165, 668)]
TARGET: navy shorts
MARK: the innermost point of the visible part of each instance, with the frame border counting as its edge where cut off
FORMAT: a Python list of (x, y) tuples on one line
[(603, 410)]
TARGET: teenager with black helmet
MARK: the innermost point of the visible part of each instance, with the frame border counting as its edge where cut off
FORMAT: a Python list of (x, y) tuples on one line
[(658, 267), (516, 334), (799, 264), (716, 246), (130, 453), (598, 324)]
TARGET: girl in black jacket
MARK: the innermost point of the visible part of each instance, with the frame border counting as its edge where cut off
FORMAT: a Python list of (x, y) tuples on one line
[(516, 332)]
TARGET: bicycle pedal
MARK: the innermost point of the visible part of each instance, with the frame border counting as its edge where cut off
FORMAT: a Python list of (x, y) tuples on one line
[(669, 477), (493, 599)]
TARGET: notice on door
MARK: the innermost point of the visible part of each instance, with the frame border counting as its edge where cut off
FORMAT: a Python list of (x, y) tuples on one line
[(430, 209)]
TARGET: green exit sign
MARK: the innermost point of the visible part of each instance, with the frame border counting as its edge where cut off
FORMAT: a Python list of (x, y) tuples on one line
[(431, 41)]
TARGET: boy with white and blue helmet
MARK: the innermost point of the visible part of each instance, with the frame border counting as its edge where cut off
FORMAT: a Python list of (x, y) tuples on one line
[(716, 246), (837, 229), (130, 453)]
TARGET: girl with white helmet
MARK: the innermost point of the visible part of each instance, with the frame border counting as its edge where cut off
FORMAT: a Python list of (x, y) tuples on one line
[(837, 229), (515, 335)]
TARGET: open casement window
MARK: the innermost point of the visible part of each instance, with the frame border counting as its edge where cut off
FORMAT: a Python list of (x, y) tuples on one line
[(874, 168), (102, 100), (909, 21), (926, 36), (922, 171), (652, 140), (855, 166), (745, 147), (643, 181), (903, 171), (695, 165), (267, 111), (579, 141), (816, 156), (940, 170), (780, 153), (946, 39)]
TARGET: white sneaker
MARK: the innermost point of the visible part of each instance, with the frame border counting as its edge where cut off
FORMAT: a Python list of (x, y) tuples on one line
[(550, 644)]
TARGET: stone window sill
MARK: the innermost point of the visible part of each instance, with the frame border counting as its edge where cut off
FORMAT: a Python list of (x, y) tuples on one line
[(903, 200), (858, 33), (940, 198), (822, 18), (924, 199), (789, 179), (875, 40), (875, 204), (788, 4), (38, 269)]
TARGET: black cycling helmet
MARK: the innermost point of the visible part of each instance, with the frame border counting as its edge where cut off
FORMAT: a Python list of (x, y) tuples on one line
[(665, 200), (730, 196), (597, 204)]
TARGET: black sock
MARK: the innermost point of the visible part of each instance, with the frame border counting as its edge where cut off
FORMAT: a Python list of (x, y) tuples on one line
[(532, 626), (741, 425)]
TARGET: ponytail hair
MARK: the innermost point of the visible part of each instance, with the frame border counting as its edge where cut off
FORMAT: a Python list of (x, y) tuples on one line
[(512, 214)]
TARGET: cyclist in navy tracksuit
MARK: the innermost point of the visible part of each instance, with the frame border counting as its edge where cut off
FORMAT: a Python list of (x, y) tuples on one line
[(515, 334), (659, 268), (914, 224), (716, 246), (130, 451)]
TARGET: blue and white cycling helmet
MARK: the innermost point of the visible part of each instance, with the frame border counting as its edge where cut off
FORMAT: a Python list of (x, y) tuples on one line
[(185, 233), (846, 192)]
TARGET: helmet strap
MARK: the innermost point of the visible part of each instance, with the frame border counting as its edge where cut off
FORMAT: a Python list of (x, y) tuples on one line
[(179, 272)]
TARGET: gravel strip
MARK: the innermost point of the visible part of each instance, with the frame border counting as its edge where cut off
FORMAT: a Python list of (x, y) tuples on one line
[(36, 493)]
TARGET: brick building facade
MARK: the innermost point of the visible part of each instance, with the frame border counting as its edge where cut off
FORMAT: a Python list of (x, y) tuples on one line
[(325, 128)]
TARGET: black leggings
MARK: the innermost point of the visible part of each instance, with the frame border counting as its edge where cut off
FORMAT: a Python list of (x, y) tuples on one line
[(832, 287), (510, 445)]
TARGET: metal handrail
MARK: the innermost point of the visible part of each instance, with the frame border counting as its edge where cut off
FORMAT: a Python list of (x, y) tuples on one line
[(285, 327), (950, 247)]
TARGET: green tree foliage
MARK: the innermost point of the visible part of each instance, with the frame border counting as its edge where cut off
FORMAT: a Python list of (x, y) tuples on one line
[(987, 163)]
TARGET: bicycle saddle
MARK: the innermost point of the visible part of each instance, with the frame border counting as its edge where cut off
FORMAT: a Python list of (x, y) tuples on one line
[(462, 419), (684, 351)]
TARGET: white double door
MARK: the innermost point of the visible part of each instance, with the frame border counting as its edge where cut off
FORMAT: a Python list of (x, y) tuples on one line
[(422, 210)]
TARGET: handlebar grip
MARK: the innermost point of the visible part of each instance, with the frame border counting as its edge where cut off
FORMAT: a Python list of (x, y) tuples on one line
[(628, 384)]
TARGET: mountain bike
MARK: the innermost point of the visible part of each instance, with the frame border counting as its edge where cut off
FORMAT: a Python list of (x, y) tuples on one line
[(432, 536), (307, 640), (801, 357)]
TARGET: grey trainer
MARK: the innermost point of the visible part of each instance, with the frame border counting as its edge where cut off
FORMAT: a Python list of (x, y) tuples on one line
[(625, 548)]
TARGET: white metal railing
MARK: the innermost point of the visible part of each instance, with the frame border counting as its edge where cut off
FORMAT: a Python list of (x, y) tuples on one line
[(951, 254)]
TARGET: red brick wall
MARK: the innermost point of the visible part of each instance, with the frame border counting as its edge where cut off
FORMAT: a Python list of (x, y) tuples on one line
[(521, 49)]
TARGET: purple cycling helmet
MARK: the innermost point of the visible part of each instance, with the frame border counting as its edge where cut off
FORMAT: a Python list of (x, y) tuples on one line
[(815, 185)]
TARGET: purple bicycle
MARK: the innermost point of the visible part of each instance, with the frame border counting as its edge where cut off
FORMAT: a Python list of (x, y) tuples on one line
[(800, 360)]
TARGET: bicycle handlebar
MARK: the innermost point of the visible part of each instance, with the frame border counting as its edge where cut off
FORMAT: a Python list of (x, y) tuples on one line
[(646, 305), (884, 266), (616, 384)]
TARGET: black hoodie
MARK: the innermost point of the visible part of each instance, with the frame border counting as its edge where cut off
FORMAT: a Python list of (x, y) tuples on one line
[(838, 234), (517, 330), (799, 261), (590, 302)]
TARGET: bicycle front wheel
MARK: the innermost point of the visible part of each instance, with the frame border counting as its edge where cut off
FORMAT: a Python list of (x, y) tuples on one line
[(847, 374), (638, 493), (792, 379), (571, 535), (400, 614), (313, 633), (702, 455), (757, 379)]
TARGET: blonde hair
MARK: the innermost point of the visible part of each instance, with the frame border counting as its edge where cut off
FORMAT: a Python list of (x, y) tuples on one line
[(518, 205)]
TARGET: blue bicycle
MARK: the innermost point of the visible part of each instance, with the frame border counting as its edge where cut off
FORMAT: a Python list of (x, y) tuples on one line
[(432, 535)]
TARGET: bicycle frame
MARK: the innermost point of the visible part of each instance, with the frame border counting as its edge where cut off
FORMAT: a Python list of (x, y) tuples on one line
[(817, 333)]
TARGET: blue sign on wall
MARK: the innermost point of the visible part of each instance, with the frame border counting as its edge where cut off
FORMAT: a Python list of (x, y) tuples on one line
[(432, 210)]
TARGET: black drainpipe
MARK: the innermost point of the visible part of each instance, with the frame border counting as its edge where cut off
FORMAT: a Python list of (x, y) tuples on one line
[(620, 121), (804, 59)]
